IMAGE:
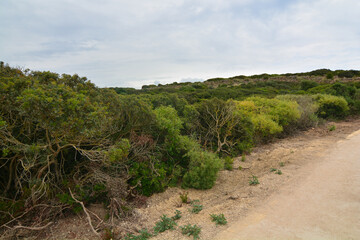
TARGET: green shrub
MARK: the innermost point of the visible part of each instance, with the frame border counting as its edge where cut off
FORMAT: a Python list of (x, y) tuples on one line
[(164, 224), (307, 84), (254, 180), (144, 234), (307, 107), (203, 169), (177, 215), (218, 219), (331, 106), (228, 163), (196, 206), (332, 128), (184, 197), (191, 231)]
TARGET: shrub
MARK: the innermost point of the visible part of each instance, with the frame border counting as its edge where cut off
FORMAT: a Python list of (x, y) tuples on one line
[(184, 197), (228, 163), (164, 224), (307, 84), (144, 234), (203, 169), (197, 207), (191, 230), (254, 180), (307, 107), (331, 106), (177, 215), (218, 219)]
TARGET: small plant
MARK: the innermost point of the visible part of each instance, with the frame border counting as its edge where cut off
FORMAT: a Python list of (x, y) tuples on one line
[(228, 163), (281, 164), (184, 197), (144, 234), (218, 219), (197, 207), (332, 128), (273, 169), (191, 230), (243, 158), (240, 167), (177, 215), (279, 172), (164, 224), (253, 180)]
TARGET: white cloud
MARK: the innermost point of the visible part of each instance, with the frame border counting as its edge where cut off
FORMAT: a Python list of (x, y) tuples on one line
[(131, 43)]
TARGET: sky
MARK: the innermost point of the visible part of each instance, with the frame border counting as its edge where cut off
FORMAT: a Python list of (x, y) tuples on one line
[(131, 43)]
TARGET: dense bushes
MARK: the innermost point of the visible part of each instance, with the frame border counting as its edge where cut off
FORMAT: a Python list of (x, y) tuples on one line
[(62, 132)]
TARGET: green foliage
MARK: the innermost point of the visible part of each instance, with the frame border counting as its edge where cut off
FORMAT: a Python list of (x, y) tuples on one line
[(228, 163), (332, 128), (331, 106), (203, 169), (254, 180), (281, 164), (184, 197), (164, 224), (191, 230), (177, 215), (144, 234), (308, 109), (196, 206), (306, 85), (279, 172), (218, 219)]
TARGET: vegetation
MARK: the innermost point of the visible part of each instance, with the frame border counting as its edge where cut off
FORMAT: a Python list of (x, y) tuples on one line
[(218, 219), (65, 143), (164, 224), (196, 206), (254, 180), (191, 230)]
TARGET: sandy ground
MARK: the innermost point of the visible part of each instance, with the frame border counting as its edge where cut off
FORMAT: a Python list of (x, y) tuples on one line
[(321, 202), (318, 175)]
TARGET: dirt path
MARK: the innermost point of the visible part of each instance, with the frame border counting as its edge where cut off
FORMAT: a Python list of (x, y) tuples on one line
[(286, 206), (323, 202)]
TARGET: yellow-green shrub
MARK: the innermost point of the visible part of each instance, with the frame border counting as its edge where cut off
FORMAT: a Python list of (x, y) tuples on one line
[(331, 106)]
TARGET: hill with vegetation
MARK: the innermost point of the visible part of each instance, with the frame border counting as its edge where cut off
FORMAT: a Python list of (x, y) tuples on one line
[(65, 143)]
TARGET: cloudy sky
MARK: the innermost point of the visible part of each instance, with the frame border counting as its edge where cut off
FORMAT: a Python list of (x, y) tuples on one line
[(135, 42)]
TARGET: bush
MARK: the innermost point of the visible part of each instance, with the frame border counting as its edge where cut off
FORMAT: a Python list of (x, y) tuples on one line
[(203, 169), (191, 231), (306, 85), (164, 224), (218, 219), (308, 108), (331, 106)]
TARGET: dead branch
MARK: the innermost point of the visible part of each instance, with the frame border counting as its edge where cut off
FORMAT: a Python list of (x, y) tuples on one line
[(86, 212), (33, 228)]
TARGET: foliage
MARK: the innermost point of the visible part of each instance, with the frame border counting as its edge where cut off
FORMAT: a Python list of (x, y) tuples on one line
[(144, 234), (308, 109), (191, 230), (218, 219), (164, 224), (196, 206), (203, 169), (254, 180), (184, 197), (228, 163), (177, 215), (331, 106), (332, 128)]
